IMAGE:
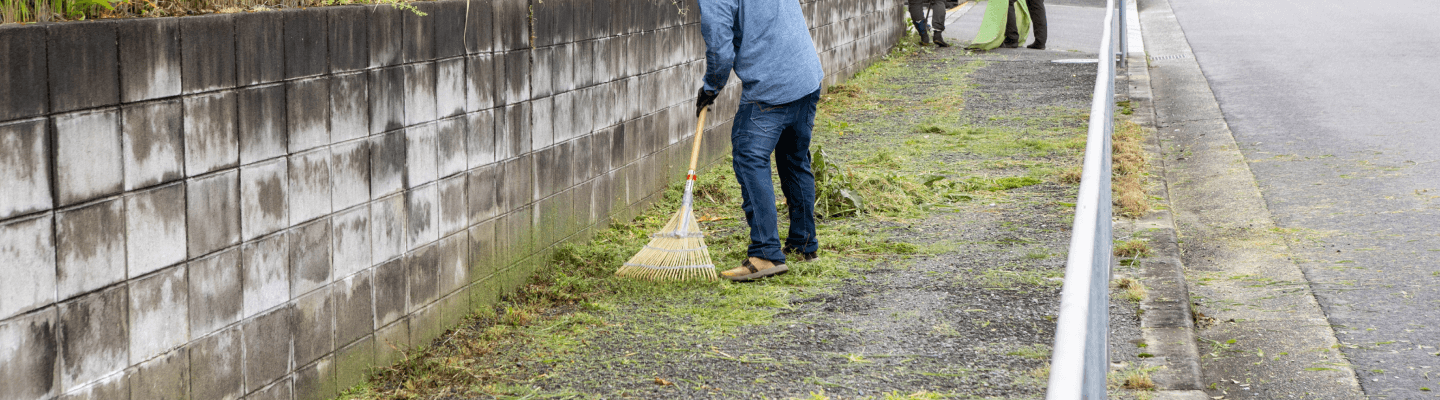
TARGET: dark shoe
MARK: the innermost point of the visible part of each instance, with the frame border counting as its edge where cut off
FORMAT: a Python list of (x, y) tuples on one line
[(940, 41), (1036, 46), (802, 257), (1009, 45), (754, 268)]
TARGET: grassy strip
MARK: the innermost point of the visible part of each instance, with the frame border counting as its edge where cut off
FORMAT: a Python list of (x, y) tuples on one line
[(941, 161)]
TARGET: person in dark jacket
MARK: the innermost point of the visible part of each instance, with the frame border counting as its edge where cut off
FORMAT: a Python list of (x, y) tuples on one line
[(767, 44), (1037, 24), (937, 20)]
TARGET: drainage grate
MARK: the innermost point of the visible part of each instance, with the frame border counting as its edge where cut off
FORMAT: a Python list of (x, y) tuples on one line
[(1175, 57)]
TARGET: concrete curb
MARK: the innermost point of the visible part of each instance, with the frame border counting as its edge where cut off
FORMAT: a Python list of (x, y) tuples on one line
[(1167, 325)]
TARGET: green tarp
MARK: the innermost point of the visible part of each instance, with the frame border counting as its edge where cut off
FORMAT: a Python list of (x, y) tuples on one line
[(992, 28)]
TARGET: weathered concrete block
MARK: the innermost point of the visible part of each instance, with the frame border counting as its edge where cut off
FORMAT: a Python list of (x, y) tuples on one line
[(480, 189), (24, 167), (207, 53), (349, 106), (309, 185), (354, 302), (316, 381), (310, 265), (421, 166), (90, 248), (153, 142), (391, 292), (418, 41), (516, 76), (552, 171), (28, 248), (23, 89), (387, 27), (217, 366), (448, 22), (453, 215), (422, 214), (564, 117), (263, 198), (259, 49), (349, 39), (425, 325), (155, 229), (308, 118), (518, 187), (261, 123), (581, 65), (313, 325), (88, 160), (84, 66), (451, 152), (215, 292), (353, 362), (452, 269), (268, 340), (601, 150), (280, 390), (211, 142), (480, 27), (512, 27), (389, 340), (480, 138), (419, 93), (349, 174), (387, 227), (450, 87), (387, 163), (480, 246), (266, 274), (630, 92), (212, 213), (149, 51), (351, 236), (518, 140), (387, 98), (619, 154), (422, 272), (93, 337), (159, 310), (32, 366), (306, 42), (480, 82), (542, 124), (542, 76), (166, 377)]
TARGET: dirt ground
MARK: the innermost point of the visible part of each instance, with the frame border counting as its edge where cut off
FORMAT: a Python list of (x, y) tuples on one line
[(953, 297)]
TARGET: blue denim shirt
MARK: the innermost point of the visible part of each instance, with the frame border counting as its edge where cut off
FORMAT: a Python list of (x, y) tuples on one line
[(768, 45)]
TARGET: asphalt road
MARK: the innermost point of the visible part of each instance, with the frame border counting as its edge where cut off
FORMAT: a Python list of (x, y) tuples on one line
[(1336, 108)]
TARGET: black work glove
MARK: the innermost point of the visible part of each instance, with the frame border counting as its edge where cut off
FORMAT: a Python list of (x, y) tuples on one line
[(704, 99)]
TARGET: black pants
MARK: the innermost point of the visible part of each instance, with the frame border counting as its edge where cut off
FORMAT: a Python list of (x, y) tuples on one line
[(1037, 22), (937, 13)]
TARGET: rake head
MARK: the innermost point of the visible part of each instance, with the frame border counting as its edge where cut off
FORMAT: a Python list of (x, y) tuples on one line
[(677, 252)]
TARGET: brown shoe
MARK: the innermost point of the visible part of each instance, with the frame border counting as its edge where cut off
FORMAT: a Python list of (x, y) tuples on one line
[(754, 268)]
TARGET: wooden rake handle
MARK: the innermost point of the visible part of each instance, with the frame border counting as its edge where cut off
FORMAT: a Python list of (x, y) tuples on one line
[(695, 148)]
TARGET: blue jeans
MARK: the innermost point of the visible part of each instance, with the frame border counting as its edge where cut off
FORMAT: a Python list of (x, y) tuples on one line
[(761, 129)]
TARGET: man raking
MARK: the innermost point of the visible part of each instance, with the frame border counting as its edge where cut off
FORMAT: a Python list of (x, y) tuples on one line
[(767, 44)]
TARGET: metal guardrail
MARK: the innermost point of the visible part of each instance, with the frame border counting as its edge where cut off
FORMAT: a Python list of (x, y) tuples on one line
[(1081, 354)]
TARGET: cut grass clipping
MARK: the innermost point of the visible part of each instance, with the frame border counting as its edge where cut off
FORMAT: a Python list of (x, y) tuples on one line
[(1130, 168)]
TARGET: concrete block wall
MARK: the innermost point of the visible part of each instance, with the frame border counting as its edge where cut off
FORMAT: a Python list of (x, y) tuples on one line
[(261, 205)]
